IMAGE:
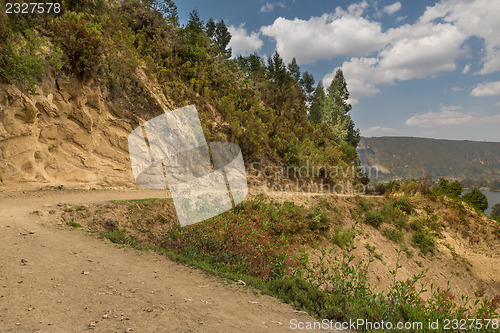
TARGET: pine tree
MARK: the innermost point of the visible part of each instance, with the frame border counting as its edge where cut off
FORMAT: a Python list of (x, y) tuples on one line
[(222, 38), (167, 8), (307, 84), (276, 69), (317, 103), (210, 29), (294, 69), (194, 17), (338, 90)]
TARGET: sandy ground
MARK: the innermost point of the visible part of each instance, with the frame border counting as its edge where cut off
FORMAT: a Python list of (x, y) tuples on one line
[(59, 280)]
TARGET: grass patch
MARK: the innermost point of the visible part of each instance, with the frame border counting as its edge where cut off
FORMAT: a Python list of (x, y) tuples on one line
[(373, 218), (342, 237), (424, 241), (74, 224), (394, 234)]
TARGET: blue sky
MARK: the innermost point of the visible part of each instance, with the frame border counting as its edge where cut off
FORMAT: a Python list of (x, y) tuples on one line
[(413, 68)]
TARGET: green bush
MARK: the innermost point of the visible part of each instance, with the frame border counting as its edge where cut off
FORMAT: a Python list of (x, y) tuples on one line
[(394, 234), (21, 62), (81, 41), (373, 218), (403, 204), (476, 199), (342, 237), (424, 241)]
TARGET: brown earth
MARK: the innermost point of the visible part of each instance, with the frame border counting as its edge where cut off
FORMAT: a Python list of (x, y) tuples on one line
[(60, 280)]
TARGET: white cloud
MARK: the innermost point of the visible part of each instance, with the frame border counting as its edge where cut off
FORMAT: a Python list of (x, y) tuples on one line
[(377, 130), (400, 18), (423, 49), (327, 36), (242, 42), (416, 52), (391, 9), (269, 7), (448, 116), (474, 18), (486, 89)]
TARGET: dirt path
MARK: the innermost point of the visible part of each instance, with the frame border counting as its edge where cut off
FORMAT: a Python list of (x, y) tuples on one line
[(59, 280)]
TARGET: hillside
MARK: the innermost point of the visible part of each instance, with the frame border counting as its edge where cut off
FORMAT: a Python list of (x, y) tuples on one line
[(408, 157), (74, 84)]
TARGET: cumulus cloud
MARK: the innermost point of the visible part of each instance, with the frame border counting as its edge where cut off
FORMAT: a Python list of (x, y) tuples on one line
[(242, 42), (416, 52), (391, 9), (344, 32), (486, 89), (429, 46), (474, 18), (269, 7), (448, 116)]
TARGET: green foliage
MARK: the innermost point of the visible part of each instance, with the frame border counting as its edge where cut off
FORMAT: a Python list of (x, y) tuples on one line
[(403, 204), (476, 199), (261, 108), (74, 224), (166, 8), (22, 63), (80, 39), (424, 241), (373, 218), (342, 237), (394, 234), (251, 239)]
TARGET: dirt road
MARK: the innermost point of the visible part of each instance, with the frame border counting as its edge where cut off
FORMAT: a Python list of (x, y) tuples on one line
[(59, 280)]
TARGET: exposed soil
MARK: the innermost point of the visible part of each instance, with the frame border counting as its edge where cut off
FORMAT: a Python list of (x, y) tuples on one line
[(61, 280)]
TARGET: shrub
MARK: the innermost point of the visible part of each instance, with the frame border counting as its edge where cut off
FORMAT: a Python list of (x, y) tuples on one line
[(403, 204), (21, 62), (393, 234), (373, 218), (81, 41), (342, 237), (476, 199), (252, 238), (424, 241)]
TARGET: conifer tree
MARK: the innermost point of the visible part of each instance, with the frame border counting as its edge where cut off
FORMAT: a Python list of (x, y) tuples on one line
[(294, 69), (194, 17), (317, 104)]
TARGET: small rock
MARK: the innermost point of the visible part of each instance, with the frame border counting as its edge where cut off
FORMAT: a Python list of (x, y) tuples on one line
[(105, 316), (24, 262), (85, 273)]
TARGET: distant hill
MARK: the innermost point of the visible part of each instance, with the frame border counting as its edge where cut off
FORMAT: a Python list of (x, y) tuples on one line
[(408, 157)]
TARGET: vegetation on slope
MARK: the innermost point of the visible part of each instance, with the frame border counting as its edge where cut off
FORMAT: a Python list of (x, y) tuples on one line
[(262, 107), (267, 243)]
